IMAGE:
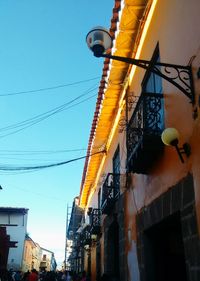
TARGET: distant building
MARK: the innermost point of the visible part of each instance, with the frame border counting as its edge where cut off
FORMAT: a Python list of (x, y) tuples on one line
[(15, 221), (36, 257), (74, 251), (48, 261), (32, 255)]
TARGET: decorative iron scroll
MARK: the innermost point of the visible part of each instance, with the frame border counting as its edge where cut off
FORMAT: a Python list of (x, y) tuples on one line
[(77, 241), (86, 235), (95, 217), (178, 75), (146, 119), (122, 124), (111, 186), (132, 100)]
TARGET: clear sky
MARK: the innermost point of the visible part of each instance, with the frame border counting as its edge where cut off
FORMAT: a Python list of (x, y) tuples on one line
[(42, 45)]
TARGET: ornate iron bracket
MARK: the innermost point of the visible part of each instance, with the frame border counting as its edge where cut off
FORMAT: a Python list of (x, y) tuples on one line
[(178, 75), (131, 100)]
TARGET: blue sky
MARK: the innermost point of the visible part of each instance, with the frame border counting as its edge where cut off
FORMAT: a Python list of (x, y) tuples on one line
[(43, 45)]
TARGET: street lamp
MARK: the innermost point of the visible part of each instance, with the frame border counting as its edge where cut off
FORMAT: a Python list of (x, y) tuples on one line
[(99, 42), (170, 136)]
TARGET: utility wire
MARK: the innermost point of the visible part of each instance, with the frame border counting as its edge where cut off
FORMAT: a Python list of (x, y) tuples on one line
[(42, 195), (48, 88), (39, 152), (31, 123), (38, 118), (47, 113), (39, 167), (34, 152)]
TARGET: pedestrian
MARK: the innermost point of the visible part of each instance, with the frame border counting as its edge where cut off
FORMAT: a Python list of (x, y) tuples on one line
[(64, 276), (105, 277), (68, 276), (17, 276), (26, 275), (33, 276), (83, 277)]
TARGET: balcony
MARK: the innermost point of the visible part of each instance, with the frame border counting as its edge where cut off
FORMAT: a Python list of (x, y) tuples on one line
[(144, 145), (77, 241), (86, 236), (43, 264), (110, 193), (95, 221)]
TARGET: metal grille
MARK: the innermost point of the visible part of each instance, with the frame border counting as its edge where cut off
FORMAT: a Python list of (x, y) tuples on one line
[(111, 188), (146, 119), (95, 218), (110, 192)]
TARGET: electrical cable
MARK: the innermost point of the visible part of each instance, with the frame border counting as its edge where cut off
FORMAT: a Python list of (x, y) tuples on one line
[(38, 152), (43, 118), (38, 118), (42, 195), (48, 88), (39, 167), (49, 112)]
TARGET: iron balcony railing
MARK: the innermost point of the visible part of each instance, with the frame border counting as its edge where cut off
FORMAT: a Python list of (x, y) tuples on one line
[(86, 236), (77, 241), (110, 192), (143, 133), (95, 221)]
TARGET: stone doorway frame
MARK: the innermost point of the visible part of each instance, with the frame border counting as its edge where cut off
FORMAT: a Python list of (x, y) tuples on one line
[(118, 216), (179, 198)]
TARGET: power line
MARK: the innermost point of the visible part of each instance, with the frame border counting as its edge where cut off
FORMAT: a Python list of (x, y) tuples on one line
[(41, 119), (47, 113), (39, 167), (38, 118), (39, 152), (48, 88), (42, 195)]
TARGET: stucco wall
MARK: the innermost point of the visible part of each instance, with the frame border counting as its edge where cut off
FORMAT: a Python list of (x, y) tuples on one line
[(176, 27), (17, 233)]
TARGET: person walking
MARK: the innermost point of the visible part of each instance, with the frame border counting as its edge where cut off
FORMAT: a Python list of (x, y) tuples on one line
[(33, 276), (83, 277)]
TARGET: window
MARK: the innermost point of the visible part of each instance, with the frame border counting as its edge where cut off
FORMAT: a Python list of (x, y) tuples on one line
[(116, 162), (116, 170), (99, 199), (152, 83), (146, 124)]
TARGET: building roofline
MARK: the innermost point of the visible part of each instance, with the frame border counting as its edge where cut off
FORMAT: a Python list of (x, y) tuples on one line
[(47, 250), (13, 210), (126, 37)]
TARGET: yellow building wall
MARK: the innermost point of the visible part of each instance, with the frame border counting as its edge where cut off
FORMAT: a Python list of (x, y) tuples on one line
[(175, 25)]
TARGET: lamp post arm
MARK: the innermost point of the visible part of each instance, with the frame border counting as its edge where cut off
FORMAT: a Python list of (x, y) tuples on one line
[(179, 153), (178, 75)]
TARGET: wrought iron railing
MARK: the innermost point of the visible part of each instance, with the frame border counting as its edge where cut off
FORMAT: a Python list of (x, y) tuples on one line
[(110, 192), (146, 123), (86, 236), (95, 221), (77, 241)]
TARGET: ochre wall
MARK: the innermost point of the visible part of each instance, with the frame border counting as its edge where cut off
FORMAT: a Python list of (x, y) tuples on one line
[(176, 26)]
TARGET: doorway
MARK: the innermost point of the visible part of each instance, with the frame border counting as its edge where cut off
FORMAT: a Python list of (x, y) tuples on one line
[(113, 250), (164, 251)]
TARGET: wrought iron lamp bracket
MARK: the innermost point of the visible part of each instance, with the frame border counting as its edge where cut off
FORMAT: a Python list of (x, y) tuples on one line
[(178, 75)]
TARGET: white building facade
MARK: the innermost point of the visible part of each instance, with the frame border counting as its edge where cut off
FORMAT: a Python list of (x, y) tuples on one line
[(48, 261), (15, 221)]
